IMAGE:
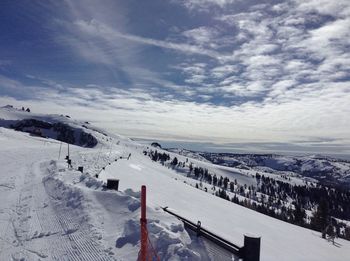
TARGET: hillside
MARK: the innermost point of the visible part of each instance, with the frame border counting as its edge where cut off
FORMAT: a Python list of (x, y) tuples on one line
[(322, 168), (52, 212)]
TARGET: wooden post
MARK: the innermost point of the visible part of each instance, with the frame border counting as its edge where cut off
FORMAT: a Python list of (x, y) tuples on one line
[(251, 249), (143, 221)]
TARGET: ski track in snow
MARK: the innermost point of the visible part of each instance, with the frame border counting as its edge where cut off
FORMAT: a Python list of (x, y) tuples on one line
[(39, 224)]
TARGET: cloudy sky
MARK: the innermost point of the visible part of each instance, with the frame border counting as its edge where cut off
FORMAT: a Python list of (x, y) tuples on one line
[(261, 75)]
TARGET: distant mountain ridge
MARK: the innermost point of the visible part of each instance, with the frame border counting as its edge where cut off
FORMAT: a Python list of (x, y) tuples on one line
[(322, 168)]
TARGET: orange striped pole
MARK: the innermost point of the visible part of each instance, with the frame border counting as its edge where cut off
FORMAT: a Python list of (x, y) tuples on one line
[(143, 221)]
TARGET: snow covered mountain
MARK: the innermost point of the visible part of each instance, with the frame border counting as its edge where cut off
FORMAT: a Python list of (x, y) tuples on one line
[(50, 211), (59, 127), (322, 168), (188, 153)]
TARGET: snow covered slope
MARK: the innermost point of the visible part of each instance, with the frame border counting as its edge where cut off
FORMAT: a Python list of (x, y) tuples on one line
[(51, 212), (60, 127), (280, 240), (322, 168)]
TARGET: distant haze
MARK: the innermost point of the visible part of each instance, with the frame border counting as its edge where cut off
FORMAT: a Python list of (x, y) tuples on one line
[(247, 148)]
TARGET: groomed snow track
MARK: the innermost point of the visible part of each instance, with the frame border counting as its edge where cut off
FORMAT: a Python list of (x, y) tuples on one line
[(44, 218)]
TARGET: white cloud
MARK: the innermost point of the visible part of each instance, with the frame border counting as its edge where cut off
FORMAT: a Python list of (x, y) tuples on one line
[(204, 5), (223, 70), (261, 60), (9, 83), (334, 8), (337, 32), (97, 29), (201, 35)]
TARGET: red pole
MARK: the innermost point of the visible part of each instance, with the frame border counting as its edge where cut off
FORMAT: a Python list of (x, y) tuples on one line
[(143, 221)]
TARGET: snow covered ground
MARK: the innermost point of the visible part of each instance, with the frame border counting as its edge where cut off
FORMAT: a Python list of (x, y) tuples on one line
[(36, 221), (50, 212), (280, 240)]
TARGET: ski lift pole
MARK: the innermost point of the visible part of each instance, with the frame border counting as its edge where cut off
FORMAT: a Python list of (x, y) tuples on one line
[(59, 154), (143, 221)]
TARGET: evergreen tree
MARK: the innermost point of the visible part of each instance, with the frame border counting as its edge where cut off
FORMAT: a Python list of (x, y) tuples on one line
[(220, 181), (215, 180), (174, 162), (232, 186), (299, 214), (320, 218), (210, 178), (347, 233), (155, 156)]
